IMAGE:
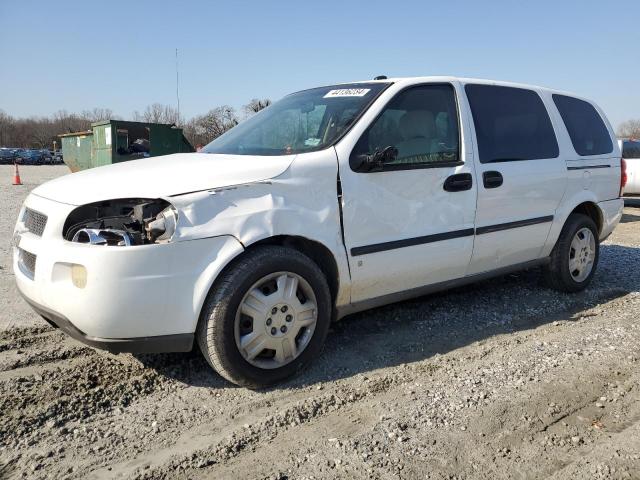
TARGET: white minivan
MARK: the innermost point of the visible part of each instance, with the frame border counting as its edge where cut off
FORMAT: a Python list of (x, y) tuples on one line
[(331, 201)]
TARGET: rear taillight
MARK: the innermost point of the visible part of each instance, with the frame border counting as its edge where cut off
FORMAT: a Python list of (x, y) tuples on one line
[(623, 174)]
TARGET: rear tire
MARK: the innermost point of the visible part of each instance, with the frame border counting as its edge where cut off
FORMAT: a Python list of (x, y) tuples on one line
[(266, 317), (574, 259)]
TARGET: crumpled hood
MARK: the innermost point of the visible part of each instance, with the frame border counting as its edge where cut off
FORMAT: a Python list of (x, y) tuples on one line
[(164, 176)]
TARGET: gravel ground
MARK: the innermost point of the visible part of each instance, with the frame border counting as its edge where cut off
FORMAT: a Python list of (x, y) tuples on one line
[(503, 379)]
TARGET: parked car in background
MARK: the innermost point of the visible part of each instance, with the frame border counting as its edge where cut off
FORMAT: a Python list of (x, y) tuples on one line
[(630, 148), (47, 157), (31, 157), (25, 157), (331, 201), (18, 155), (56, 158), (7, 156)]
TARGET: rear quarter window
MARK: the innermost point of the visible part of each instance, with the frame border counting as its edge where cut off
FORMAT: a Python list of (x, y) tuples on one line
[(587, 131), (511, 124)]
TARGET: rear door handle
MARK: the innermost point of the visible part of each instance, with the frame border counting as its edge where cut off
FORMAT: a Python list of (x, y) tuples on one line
[(458, 182), (492, 179)]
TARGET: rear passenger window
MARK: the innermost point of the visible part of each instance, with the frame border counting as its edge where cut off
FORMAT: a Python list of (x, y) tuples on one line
[(511, 124), (585, 126)]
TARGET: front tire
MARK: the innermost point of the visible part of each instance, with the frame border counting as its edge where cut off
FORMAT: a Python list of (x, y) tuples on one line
[(266, 317), (574, 259)]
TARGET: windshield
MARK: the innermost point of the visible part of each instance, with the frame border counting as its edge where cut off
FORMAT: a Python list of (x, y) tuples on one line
[(301, 122)]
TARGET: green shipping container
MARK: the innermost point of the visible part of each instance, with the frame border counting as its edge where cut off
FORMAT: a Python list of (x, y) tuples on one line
[(114, 141)]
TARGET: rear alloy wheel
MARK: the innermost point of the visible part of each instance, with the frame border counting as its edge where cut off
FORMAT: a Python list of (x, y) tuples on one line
[(266, 317), (574, 259), (582, 254)]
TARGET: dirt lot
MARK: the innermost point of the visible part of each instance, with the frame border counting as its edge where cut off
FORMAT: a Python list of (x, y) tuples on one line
[(504, 379)]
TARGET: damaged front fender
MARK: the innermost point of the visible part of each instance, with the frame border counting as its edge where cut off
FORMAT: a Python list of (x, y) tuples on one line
[(291, 204), (301, 202)]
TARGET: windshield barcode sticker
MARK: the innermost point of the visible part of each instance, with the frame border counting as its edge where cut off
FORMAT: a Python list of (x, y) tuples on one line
[(347, 92)]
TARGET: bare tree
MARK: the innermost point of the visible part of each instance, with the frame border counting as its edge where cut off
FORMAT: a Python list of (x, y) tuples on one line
[(629, 129), (98, 114), (41, 132), (158, 113), (66, 122), (255, 105), (6, 128), (38, 132), (204, 128)]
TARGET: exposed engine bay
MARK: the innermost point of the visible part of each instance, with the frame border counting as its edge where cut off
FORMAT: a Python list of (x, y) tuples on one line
[(122, 222)]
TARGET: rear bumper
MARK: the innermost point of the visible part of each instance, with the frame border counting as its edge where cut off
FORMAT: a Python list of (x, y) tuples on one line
[(160, 344), (633, 176), (611, 215)]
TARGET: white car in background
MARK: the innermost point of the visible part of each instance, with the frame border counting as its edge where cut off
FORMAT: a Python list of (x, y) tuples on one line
[(630, 149), (331, 201)]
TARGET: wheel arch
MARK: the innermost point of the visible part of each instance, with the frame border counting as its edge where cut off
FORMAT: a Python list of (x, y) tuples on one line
[(591, 210), (319, 253), (584, 202)]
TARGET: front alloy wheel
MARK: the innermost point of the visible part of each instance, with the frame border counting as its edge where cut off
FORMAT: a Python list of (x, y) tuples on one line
[(276, 320)]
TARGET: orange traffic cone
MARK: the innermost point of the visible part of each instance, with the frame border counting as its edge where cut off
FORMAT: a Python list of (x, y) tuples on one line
[(16, 176)]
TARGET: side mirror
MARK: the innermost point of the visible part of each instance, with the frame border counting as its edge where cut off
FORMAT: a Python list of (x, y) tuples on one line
[(373, 162)]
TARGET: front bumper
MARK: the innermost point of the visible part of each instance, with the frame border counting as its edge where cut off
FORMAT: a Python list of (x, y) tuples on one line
[(133, 295), (182, 342)]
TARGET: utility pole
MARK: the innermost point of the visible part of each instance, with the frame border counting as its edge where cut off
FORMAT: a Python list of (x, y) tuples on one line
[(177, 85)]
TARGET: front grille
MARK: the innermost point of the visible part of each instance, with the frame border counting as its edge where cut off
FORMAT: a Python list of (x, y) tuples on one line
[(34, 221), (27, 262)]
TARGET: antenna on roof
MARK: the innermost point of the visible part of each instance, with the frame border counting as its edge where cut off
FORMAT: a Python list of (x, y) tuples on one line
[(380, 77), (177, 86)]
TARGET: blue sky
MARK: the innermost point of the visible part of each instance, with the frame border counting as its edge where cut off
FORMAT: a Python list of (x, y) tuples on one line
[(121, 54)]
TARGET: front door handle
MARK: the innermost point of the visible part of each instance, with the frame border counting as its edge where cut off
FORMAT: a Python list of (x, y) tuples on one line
[(458, 182), (492, 179)]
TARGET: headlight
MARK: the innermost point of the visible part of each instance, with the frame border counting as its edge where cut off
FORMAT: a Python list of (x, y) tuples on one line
[(122, 222), (102, 236), (163, 227)]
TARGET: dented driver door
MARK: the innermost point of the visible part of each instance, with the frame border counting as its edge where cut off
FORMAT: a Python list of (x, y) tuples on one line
[(409, 222)]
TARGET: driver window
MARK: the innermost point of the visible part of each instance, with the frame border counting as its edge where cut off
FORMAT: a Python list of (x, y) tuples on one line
[(421, 123)]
